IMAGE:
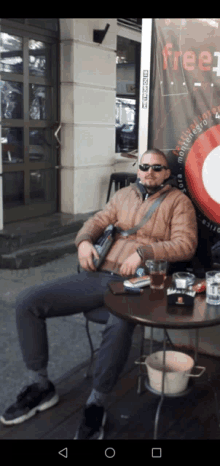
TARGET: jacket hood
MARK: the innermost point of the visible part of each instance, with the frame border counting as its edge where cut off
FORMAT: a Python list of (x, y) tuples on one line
[(172, 181)]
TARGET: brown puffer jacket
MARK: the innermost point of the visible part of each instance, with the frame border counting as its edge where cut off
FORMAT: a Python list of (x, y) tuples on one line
[(171, 233)]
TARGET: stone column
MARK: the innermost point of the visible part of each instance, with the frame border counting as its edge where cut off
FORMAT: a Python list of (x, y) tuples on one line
[(88, 90)]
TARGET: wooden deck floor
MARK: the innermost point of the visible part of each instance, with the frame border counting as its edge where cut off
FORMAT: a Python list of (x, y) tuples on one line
[(130, 416)]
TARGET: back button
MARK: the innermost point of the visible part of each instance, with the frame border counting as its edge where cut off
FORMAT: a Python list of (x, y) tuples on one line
[(63, 452)]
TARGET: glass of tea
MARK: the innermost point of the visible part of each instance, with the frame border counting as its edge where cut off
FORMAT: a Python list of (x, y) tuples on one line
[(158, 272)]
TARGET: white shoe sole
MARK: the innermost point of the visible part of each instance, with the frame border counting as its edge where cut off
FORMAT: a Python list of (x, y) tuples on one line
[(42, 407)]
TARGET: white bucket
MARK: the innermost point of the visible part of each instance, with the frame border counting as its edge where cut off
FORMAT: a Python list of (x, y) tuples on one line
[(177, 370)]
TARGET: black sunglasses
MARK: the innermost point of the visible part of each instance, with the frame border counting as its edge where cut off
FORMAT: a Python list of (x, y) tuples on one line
[(156, 168)]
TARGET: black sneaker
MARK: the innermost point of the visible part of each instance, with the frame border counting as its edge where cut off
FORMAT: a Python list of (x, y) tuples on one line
[(92, 425), (30, 400)]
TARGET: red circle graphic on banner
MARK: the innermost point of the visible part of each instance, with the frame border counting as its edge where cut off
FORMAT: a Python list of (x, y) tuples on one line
[(202, 173)]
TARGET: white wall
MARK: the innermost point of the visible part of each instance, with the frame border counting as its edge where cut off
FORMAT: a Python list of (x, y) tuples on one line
[(88, 92)]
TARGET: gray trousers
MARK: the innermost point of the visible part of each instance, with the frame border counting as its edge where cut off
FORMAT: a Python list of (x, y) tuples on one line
[(67, 296)]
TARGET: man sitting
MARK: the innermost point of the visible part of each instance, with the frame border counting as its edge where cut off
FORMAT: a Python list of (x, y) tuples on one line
[(170, 234)]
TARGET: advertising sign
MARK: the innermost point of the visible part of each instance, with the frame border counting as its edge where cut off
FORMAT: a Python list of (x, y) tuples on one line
[(184, 114)]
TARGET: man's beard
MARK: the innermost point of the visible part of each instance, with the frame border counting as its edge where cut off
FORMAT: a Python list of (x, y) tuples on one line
[(153, 189)]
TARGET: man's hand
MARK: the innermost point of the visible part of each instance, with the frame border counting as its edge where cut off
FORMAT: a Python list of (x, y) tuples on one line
[(86, 253), (130, 265)]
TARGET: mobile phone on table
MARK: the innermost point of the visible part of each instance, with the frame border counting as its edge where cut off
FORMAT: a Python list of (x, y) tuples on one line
[(137, 282), (119, 288)]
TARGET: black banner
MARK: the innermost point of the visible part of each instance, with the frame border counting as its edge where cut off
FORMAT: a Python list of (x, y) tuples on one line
[(184, 117)]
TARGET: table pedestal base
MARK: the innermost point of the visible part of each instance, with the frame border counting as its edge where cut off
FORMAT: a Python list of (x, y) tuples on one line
[(165, 395)]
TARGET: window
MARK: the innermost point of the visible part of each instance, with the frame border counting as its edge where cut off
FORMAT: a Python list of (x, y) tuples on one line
[(131, 23), (29, 110), (127, 94)]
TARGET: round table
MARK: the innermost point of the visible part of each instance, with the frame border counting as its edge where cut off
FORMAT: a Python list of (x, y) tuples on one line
[(151, 309)]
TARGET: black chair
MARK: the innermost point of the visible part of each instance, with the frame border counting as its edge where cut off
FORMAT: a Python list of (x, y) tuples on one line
[(216, 254), (100, 316), (121, 180), (202, 261)]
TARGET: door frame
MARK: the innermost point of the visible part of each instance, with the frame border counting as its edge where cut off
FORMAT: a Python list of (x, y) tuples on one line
[(35, 209)]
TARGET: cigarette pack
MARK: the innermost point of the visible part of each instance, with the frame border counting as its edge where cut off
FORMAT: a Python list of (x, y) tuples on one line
[(180, 297)]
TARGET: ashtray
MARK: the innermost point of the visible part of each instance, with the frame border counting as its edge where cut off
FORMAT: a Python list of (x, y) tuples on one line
[(183, 280)]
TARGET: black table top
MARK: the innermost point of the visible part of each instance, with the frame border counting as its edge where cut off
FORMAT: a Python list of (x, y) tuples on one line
[(152, 309)]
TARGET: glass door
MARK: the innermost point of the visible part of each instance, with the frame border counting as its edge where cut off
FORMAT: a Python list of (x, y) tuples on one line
[(29, 112)]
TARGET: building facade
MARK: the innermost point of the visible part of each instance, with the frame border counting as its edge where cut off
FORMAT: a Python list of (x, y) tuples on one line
[(69, 108)]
